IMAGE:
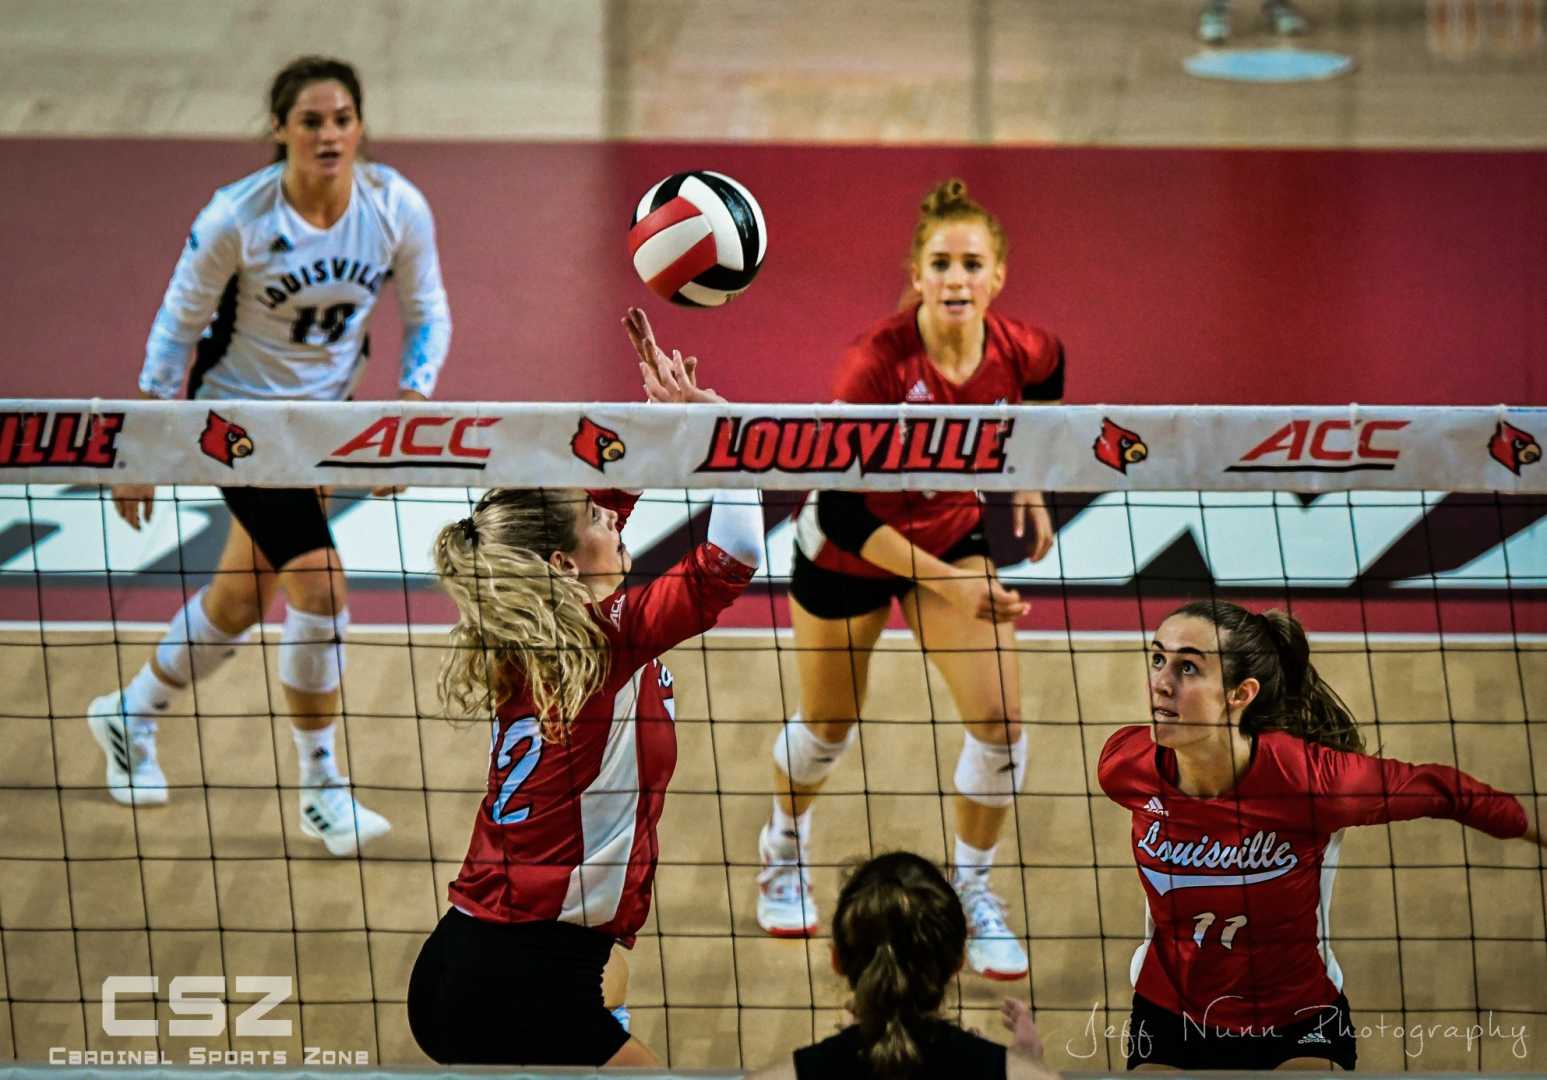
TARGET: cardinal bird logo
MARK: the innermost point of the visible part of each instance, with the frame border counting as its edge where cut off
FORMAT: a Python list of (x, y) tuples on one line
[(225, 441), (596, 445), (1117, 447), (1512, 448)]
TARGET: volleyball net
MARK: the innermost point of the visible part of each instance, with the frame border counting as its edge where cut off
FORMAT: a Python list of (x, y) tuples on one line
[(1410, 542)]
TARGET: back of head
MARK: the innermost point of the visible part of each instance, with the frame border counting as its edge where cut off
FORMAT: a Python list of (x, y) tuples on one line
[(520, 620), (949, 202), (899, 935), (1272, 648)]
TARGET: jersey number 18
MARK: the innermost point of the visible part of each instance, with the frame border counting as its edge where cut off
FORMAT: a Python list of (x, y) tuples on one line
[(334, 321)]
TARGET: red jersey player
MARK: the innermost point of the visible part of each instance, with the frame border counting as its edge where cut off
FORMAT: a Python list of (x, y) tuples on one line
[(1239, 791), (564, 845), (856, 553)]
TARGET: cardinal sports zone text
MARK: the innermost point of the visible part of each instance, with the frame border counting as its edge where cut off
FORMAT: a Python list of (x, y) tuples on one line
[(207, 1055)]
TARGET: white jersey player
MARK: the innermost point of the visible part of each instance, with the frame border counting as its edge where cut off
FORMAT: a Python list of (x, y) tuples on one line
[(272, 293), (290, 301)]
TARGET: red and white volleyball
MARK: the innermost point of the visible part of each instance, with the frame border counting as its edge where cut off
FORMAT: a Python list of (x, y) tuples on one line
[(698, 238)]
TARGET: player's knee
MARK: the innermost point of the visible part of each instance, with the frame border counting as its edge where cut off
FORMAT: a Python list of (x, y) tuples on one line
[(1003, 729), (198, 640), (234, 602), (806, 754), (990, 773), (831, 731), (314, 582), (311, 650)]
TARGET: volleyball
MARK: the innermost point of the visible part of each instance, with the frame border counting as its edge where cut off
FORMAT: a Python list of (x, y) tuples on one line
[(698, 238)]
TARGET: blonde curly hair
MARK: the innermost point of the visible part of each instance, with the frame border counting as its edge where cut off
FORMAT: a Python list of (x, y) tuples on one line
[(521, 623)]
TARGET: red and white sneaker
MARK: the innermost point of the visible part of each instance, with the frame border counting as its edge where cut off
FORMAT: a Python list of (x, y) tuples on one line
[(785, 907), (993, 950)]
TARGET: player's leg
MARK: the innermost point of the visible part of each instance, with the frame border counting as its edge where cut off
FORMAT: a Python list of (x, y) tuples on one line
[(200, 638), (837, 620), (979, 664), (289, 527), (311, 668), (615, 987)]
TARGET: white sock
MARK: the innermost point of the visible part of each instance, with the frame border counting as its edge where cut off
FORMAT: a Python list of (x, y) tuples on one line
[(790, 837), (972, 864), (147, 697), (315, 749)]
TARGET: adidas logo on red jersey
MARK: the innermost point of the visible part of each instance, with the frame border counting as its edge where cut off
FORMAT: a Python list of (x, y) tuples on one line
[(1155, 806)]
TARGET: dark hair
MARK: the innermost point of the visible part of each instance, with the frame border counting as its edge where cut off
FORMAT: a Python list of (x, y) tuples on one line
[(301, 73), (948, 202), (899, 935), (1271, 647)]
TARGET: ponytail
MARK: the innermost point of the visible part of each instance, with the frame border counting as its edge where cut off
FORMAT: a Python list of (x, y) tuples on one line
[(884, 1007), (899, 935), (1312, 709), (1272, 648)]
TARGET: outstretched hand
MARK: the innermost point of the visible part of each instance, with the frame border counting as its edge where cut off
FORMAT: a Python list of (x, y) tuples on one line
[(670, 379), (1016, 1017)]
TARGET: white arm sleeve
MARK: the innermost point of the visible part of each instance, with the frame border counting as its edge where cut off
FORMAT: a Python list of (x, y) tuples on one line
[(211, 256), (421, 297), (736, 525)]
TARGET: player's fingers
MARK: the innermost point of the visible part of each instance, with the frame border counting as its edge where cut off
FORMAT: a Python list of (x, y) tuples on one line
[(676, 373), (653, 388), (149, 506), (1018, 518), (1007, 603), (1044, 545), (643, 322)]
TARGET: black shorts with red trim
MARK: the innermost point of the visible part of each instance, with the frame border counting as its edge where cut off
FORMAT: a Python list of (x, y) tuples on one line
[(828, 594), (1157, 1036), (487, 993)]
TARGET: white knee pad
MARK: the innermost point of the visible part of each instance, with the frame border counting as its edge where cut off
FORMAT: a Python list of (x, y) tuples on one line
[(803, 757), (193, 646), (991, 773), (311, 650)]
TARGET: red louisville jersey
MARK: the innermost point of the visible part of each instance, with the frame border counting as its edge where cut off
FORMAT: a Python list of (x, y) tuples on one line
[(887, 365), (567, 830), (1240, 886)]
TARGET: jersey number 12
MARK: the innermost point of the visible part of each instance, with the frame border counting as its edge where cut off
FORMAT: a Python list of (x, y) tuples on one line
[(526, 728)]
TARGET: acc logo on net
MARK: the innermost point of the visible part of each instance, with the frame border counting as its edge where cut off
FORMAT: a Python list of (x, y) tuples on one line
[(442, 442)]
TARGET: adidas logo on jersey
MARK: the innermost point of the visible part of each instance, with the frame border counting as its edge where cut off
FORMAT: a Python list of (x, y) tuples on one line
[(281, 244), (1155, 806), (1314, 1038), (919, 392)]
